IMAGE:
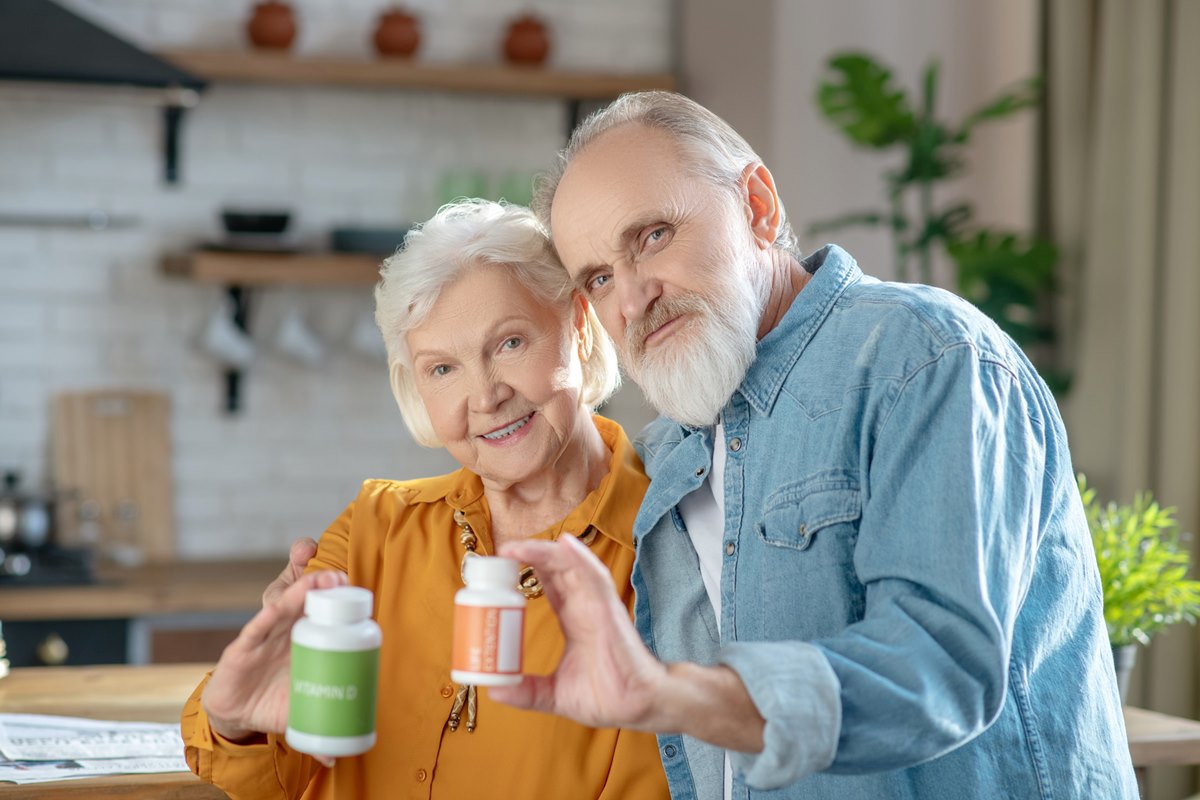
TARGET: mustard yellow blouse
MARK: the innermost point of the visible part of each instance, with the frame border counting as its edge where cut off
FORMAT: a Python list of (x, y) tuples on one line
[(399, 539)]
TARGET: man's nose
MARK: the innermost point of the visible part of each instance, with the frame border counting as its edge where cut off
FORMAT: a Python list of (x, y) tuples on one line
[(637, 290)]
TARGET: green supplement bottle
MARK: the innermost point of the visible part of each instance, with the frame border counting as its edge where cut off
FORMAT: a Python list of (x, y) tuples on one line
[(335, 666)]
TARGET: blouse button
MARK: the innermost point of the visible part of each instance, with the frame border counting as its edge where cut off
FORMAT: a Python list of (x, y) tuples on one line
[(729, 548), (422, 775), (669, 750), (447, 690), (735, 444), (699, 472)]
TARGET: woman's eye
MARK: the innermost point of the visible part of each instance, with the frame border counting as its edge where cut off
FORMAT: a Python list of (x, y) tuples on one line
[(440, 370), (512, 343)]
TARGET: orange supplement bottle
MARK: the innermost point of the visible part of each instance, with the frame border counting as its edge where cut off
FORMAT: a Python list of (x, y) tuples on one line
[(489, 624)]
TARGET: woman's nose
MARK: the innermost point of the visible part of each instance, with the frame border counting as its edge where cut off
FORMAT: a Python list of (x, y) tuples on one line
[(489, 393)]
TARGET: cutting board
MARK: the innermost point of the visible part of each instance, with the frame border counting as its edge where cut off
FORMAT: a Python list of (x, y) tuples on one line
[(112, 460)]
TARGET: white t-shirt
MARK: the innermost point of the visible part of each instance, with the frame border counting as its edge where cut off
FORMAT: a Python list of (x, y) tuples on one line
[(703, 514)]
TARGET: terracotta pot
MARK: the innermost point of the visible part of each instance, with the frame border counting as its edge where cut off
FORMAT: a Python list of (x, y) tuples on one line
[(398, 33), (527, 42), (272, 26)]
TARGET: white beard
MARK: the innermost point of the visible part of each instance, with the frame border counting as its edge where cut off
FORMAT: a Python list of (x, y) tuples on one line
[(691, 376)]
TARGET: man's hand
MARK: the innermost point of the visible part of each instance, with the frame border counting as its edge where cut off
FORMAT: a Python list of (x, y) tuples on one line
[(298, 557), (606, 678), (248, 690)]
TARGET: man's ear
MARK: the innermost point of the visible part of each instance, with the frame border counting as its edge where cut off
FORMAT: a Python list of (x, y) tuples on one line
[(579, 321), (762, 205)]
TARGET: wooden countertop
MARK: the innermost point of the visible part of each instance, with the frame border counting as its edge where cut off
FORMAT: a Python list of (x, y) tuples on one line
[(151, 694), (172, 588), (157, 694), (1156, 738)]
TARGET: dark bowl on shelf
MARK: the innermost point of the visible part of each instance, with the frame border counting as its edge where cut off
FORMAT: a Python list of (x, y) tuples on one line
[(255, 221), (375, 241)]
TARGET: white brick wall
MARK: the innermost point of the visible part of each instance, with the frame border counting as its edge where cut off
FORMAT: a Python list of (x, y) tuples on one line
[(82, 309)]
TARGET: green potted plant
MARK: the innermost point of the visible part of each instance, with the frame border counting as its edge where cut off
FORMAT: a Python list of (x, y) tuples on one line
[(1143, 572), (1007, 275)]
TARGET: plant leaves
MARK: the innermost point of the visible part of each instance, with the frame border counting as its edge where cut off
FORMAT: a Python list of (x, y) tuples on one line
[(857, 95), (1143, 568), (1025, 95), (847, 220)]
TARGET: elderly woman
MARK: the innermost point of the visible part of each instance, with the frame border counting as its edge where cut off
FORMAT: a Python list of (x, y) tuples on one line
[(495, 358)]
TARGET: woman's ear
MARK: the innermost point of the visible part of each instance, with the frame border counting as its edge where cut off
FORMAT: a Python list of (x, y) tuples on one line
[(762, 206), (579, 322)]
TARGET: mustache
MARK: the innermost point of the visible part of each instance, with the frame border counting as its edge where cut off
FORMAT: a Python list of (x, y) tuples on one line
[(663, 311)]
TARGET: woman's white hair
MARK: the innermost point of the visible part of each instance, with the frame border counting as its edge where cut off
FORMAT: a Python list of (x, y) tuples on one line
[(462, 235), (711, 147)]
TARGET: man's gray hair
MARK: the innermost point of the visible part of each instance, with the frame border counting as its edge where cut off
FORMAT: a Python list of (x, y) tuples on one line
[(713, 149), (463, 235)]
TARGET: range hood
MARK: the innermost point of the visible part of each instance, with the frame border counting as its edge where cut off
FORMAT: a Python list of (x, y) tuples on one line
[(43, 41)]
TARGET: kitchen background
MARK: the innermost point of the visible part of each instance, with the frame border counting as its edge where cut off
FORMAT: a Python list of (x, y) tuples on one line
[(83, 309), (1112, 176)]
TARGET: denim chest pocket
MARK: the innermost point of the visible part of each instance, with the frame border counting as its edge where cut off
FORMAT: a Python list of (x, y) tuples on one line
[(812, 511)]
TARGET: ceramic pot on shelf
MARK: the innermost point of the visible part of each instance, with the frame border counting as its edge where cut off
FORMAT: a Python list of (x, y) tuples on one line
[(397, 34), (272, 26), (527, 42)]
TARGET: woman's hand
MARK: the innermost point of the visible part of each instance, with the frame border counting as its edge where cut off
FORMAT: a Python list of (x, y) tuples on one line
[(606, 678), (299, 555), (248, 691)]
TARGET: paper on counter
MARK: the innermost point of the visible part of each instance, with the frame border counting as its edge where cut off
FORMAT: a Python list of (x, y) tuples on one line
[(37, 747), (45, 771)]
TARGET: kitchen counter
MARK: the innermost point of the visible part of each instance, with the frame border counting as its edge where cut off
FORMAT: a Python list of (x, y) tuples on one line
[(151, 694), (179, 587), (157, 694)]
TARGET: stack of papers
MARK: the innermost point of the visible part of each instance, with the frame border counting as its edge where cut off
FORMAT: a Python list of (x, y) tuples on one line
[(35, 748)]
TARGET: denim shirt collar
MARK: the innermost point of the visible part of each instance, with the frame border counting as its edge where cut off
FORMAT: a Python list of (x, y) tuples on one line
[(833, 271)]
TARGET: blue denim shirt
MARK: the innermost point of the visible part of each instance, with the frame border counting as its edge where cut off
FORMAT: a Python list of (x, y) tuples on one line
[(908, 591)]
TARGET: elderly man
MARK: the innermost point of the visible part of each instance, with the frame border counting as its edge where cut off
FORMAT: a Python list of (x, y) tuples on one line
[(863, 566)]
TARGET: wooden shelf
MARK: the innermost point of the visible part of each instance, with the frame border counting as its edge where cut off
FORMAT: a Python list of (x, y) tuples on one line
[(259, 67), (275, 269)]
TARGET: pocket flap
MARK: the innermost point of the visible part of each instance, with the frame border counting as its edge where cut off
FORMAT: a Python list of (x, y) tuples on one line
[(795, 514)]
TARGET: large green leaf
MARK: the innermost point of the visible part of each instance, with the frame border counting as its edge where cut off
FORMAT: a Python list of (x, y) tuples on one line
[(847, 220), (1025, 95), (1005, 276), (857, 95)]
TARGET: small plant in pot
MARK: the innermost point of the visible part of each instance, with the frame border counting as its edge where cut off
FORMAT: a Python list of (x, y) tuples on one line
[(1143, 571)]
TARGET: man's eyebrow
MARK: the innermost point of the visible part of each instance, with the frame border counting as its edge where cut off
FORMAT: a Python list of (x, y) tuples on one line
[(628, 234)]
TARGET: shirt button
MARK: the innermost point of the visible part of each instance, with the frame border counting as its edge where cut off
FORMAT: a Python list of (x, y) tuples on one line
[(735, 444), (669, 750), (422, 775), (729, 548), (447, 690), (699, 472)]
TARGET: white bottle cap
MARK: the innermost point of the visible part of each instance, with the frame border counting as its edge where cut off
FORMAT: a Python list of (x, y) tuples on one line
[(492, 571), (341, 605)]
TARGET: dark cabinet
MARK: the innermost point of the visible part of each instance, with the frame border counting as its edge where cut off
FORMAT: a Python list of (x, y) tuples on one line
[(67, 642)]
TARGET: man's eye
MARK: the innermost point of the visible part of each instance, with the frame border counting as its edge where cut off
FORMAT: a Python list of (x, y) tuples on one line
[(440, 370), (512, 343), (657, 237), (598, 282)]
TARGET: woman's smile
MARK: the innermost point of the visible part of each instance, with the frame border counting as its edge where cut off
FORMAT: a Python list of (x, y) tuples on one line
[(510, 433)]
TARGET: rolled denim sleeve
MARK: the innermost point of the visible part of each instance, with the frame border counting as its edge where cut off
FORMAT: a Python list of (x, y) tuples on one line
[(798, 694)]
